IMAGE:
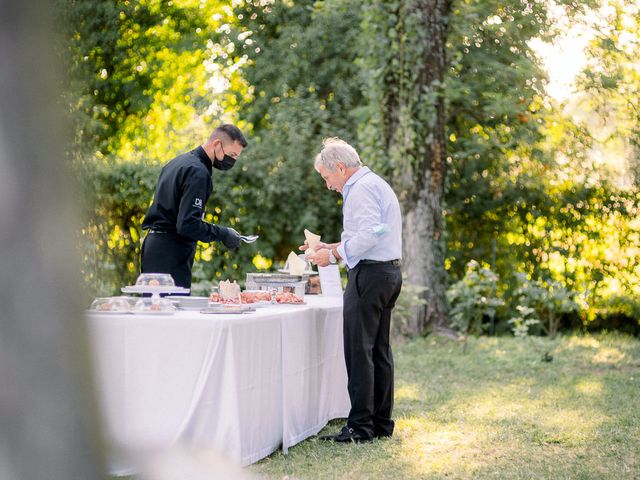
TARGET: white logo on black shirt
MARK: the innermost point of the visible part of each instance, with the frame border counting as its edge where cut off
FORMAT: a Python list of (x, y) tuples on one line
[(197, 203)]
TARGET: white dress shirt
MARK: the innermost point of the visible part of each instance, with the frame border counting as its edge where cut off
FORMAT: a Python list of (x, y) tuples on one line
[(372, 223)]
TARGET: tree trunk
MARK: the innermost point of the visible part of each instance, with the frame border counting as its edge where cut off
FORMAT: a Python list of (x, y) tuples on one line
[(404, 134), (48, 420), (423, 260), (422, 99)]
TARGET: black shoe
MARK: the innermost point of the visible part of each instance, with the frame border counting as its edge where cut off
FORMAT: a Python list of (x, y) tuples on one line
[(346, 435), (380, 433)]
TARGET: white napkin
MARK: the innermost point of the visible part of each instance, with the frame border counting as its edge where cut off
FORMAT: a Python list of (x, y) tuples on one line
[(296, 264), (312, 240)]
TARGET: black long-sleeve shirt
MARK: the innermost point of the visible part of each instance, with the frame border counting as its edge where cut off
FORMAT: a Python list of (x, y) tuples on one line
[(182, 191)]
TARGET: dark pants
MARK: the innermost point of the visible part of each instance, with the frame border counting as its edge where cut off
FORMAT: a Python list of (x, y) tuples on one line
[(369, 297), (168, 253)]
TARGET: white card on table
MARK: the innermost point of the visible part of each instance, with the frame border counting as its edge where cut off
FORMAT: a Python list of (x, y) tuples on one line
[(330, 281)]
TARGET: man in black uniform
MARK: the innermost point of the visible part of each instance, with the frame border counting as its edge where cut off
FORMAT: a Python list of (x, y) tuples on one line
[(175, 220)]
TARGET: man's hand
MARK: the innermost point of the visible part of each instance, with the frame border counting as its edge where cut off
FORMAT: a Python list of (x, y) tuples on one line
[(229, 237), (320, 246), (320, 258), (304, 247)]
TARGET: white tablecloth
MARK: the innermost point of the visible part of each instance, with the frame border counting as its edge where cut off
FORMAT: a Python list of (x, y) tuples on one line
[(243, 384)]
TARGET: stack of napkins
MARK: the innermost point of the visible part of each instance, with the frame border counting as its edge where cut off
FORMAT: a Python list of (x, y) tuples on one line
[(312, 240)]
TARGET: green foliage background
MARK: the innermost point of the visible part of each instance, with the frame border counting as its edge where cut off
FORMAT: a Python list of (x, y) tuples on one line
[(149, 80)]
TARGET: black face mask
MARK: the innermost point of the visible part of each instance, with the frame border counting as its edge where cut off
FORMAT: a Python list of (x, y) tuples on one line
[(226, 163)]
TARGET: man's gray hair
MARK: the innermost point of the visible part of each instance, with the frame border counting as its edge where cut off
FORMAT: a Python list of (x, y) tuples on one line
[(336, 151)]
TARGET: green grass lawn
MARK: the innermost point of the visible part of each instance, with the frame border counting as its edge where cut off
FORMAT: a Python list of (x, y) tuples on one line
[(497, 411)]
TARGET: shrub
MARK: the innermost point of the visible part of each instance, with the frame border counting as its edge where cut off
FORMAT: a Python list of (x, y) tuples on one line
[(115, 200), (409, 300), (549, 300), (473, 299), (524, 321)]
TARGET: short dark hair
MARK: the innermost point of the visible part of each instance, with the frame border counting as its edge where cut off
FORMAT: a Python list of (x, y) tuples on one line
[(232, 132)]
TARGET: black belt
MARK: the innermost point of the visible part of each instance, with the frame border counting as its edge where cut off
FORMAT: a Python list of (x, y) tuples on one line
[(395, 262)]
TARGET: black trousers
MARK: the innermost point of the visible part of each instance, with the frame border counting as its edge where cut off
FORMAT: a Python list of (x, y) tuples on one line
[(369, 298), (168, 253)]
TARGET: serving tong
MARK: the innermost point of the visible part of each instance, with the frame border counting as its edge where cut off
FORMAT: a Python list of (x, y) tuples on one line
[(249, 238)]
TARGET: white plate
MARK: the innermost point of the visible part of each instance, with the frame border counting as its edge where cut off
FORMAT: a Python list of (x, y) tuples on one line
[(137, 312), (227, 313), (110, 312), (152, 289), (235, 309), (187, 298), (260, 304), (189, 302)]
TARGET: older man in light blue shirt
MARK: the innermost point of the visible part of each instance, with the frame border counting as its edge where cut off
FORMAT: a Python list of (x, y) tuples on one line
[(371, 220), (371, 247)]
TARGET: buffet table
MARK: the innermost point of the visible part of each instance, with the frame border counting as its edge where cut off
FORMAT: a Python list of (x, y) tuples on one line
[(242, 384)]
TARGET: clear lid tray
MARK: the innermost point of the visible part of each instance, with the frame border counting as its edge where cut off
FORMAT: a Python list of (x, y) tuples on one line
[(155, 280), (110, 304), (154, 305)]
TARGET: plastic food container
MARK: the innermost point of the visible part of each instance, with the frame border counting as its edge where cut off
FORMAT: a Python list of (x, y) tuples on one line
[(276, 282), (111, 305), (155, 280)]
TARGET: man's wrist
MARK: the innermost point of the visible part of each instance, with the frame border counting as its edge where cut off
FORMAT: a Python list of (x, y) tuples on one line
[(332, 258)]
